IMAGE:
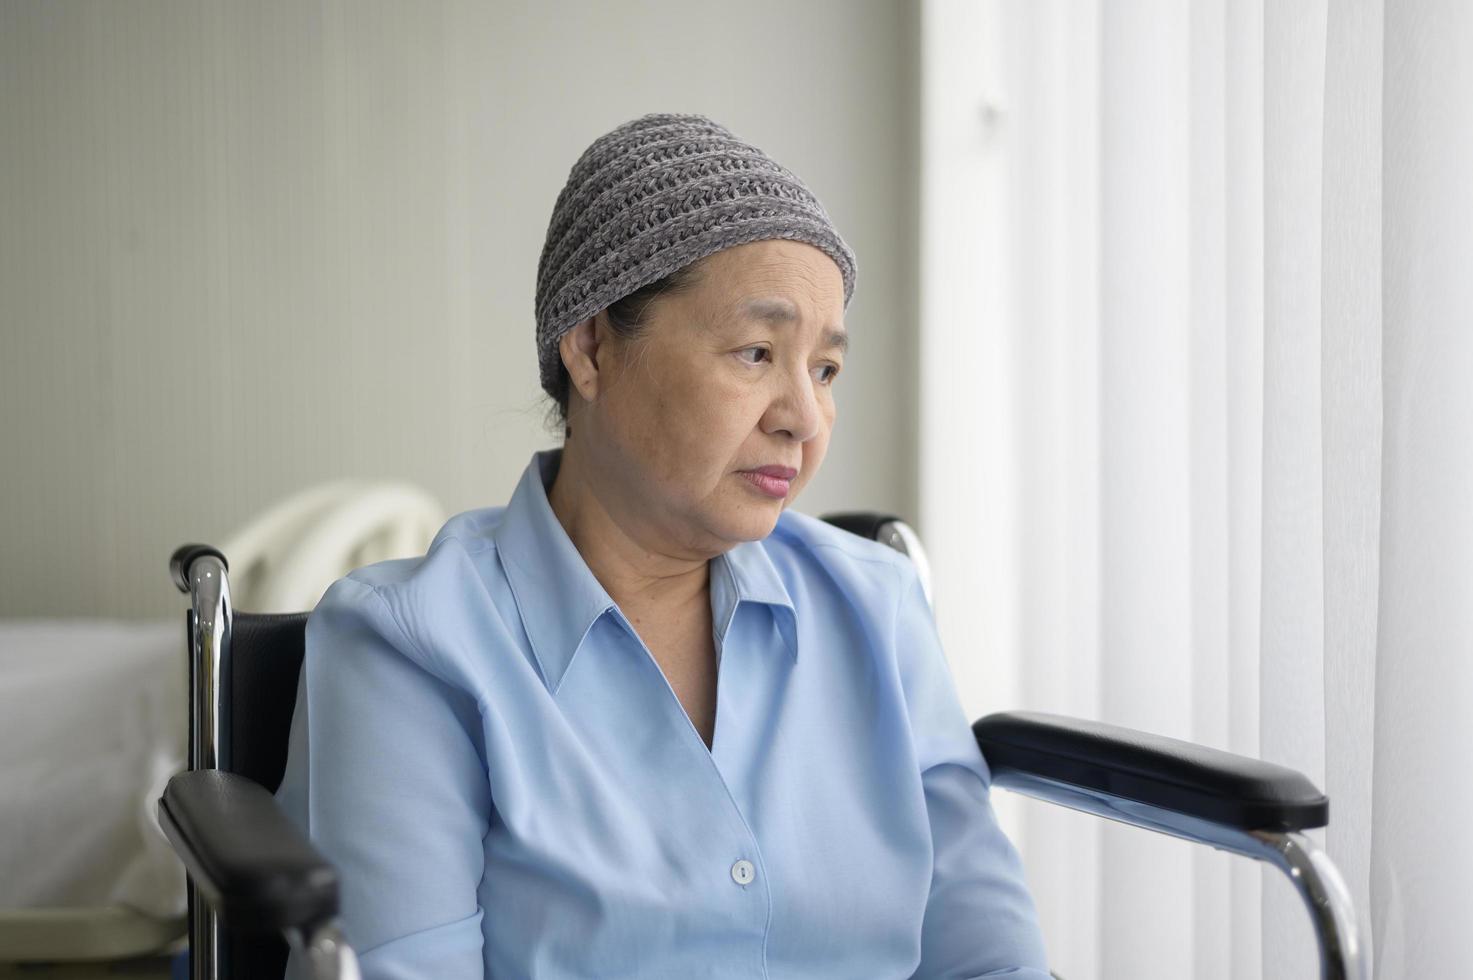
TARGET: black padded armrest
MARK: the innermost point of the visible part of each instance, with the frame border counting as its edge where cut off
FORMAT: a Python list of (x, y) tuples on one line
[(1231, 790), (246, 858)]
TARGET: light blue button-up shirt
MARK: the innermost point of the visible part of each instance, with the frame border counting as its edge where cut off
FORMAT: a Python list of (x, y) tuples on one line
[(510, 788)]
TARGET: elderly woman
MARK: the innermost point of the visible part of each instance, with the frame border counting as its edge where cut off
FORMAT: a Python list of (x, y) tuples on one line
[(645, 720)]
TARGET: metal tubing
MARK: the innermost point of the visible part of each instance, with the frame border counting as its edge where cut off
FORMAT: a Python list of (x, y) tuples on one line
[(1308, 867), (209, 724), (903, 538), (1318, 882), (209, 590), (327, 953)]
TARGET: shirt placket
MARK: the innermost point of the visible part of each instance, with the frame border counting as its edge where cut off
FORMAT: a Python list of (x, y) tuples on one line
[(739, 856)]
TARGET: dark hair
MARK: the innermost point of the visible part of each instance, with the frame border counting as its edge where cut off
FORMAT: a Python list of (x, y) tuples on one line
[(627, 317)]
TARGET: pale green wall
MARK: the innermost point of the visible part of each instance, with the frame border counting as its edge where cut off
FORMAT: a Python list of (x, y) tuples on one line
[(247, 247)]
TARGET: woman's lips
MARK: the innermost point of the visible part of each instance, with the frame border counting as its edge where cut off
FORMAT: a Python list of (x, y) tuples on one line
[(765, 481)]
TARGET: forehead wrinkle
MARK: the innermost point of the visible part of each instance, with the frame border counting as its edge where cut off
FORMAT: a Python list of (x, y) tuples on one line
[(773, 309), (778, 310)]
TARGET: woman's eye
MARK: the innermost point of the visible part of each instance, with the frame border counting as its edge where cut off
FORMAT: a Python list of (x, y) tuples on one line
[(756, 355)]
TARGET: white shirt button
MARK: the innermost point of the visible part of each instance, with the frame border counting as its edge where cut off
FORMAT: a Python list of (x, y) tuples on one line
[(743, 872)]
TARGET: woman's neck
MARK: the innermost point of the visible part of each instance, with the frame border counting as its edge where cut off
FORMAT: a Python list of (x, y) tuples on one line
[(640, 573)]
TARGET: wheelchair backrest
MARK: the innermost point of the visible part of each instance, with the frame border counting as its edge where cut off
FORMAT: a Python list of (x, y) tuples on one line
[(265, 661)]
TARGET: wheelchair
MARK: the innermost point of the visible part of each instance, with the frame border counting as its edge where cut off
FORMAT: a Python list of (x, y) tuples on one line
[(257, 885)]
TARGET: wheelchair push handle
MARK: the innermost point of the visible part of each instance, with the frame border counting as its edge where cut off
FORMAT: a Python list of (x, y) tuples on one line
[(185, 556)]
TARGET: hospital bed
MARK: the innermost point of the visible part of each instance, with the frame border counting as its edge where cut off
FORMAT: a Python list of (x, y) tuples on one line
[(257, 885), (93, 723)]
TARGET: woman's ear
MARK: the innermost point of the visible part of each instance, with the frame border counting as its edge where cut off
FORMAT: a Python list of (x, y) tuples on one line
[(579, 350)]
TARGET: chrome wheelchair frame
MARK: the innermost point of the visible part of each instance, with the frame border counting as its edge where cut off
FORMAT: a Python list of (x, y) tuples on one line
[(250, 868)]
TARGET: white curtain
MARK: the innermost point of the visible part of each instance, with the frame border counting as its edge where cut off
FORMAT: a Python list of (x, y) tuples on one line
[(1183, 263)]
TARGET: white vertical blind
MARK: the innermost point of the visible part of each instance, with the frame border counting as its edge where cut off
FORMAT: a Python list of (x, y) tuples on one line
[(1351, 332), (1422, 854), (1291, 656), (1199, 531), (1242, 202)]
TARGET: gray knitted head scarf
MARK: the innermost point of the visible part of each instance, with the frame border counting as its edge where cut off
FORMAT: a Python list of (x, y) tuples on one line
[(649, 198)]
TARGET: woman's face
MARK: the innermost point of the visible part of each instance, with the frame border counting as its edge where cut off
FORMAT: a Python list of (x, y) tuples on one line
[(728, 376)]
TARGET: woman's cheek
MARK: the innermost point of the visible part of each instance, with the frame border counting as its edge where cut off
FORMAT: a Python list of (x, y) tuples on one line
[(707, 403)]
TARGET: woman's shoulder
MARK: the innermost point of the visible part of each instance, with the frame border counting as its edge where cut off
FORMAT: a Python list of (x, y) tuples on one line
[(465, 537), (407, 600), (812, 534), (811, 546)]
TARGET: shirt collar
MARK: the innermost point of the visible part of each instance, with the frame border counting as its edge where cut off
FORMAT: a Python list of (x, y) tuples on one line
[(746, 574), (560, 599)]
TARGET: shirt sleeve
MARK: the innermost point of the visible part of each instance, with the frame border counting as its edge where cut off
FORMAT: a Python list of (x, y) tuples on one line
[(980, 919), (384, 757)]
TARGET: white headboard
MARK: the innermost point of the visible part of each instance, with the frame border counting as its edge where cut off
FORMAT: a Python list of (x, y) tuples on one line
[(287, 557)]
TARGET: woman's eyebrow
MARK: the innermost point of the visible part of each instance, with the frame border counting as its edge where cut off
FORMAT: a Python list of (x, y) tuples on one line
[(777, 310)]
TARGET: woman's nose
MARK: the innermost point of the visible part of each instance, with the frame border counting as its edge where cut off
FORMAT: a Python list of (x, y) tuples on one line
[(795, 410)]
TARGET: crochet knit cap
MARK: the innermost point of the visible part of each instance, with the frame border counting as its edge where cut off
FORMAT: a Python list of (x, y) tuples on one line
[(649, 198)]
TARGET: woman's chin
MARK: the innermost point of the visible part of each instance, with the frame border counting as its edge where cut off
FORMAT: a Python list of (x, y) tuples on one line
[(751, 522)]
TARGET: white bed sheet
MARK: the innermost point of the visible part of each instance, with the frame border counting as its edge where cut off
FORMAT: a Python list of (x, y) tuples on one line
[(92, 724)]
